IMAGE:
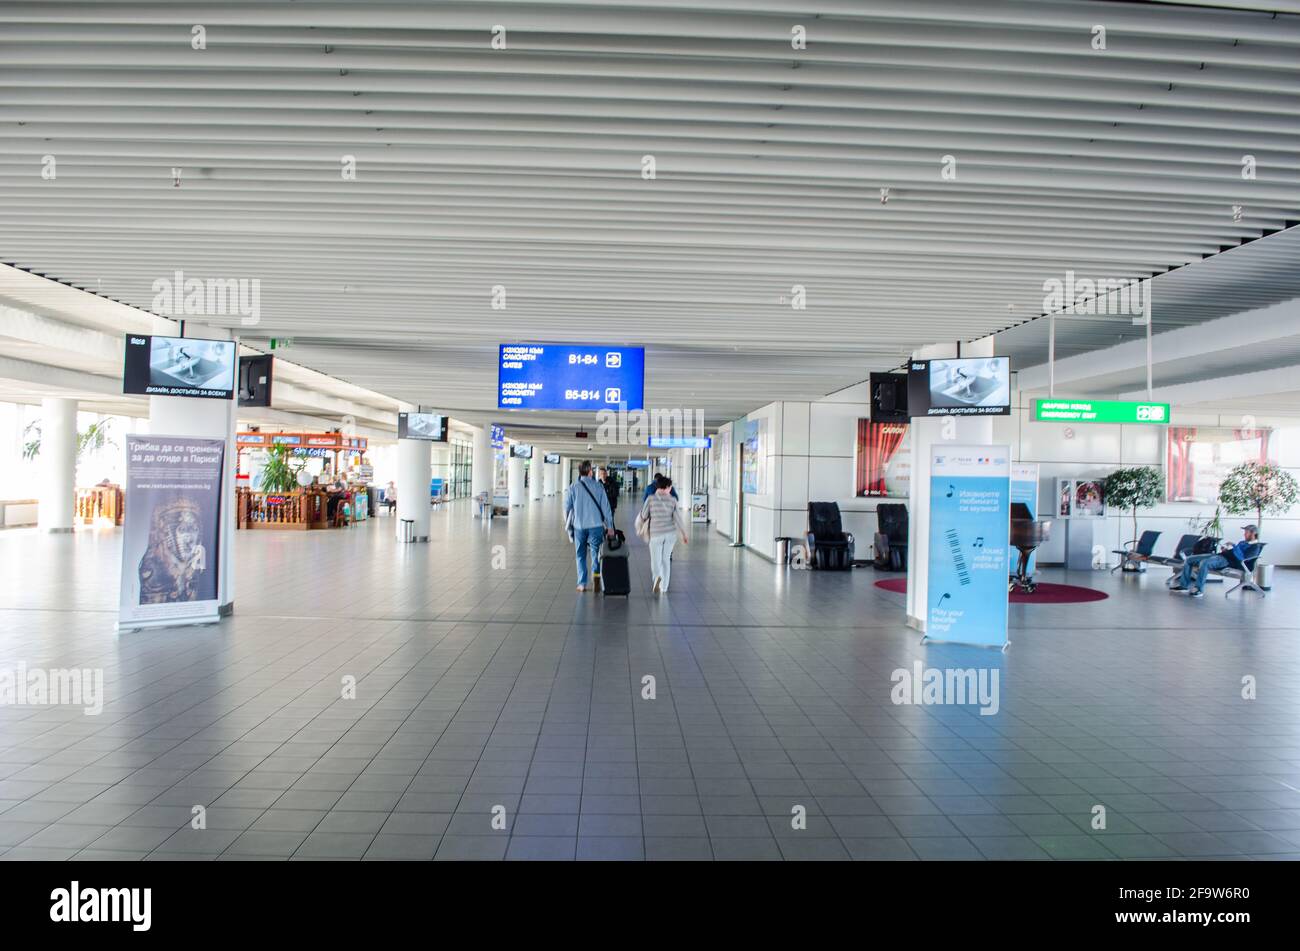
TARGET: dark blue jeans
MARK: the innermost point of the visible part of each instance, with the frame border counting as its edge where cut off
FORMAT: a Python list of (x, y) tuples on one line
[(1200, 566), (588, 540)]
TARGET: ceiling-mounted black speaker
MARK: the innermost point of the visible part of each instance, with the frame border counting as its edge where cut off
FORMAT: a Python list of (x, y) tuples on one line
[(255, 380), (888, 397)]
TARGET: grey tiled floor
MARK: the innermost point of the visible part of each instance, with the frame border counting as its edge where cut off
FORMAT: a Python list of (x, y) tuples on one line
[(480, 688)]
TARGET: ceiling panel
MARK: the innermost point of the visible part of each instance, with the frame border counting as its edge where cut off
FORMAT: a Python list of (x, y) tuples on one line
[(523, 168)]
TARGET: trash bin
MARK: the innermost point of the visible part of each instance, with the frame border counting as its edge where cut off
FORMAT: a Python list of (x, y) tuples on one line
[(407, 530), (1264, 576), (783, 550)]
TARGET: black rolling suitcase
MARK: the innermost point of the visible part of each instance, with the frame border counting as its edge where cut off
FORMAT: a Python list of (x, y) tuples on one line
[(615, 576)]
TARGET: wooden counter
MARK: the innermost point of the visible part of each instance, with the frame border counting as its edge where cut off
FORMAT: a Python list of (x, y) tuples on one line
[(302, 510)]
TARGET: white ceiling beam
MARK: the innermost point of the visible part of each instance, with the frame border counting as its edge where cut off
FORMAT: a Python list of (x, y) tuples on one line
[(1257, 386), (1239, 330), (60, 336), (46, 375)]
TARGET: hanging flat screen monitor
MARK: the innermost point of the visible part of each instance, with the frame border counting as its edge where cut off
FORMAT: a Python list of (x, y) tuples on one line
[(179, 366), (966, 386), (681, 442), (255, 380), (428, 426), (888, 397), (570, 377), (518, 451), (552, 458)]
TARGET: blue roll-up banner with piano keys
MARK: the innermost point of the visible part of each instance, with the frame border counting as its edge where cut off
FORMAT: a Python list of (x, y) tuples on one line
[(970, 510)]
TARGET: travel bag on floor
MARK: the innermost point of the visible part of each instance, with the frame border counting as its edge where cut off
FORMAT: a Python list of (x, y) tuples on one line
[(615, 573)]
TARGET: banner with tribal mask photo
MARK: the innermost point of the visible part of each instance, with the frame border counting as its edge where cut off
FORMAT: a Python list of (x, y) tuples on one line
[(170, 530)]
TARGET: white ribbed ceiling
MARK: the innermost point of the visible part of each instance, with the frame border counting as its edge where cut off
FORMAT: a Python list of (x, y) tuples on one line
[(522, 167)]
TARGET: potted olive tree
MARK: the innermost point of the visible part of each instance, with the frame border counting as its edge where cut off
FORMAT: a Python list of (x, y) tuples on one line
[(1139, 487), (1258, 488)]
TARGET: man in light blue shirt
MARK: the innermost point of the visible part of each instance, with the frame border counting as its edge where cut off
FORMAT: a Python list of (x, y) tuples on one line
[(1196, 567), (587, 512)]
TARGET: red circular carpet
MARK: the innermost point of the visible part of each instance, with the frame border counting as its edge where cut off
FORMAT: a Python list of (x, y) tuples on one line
[(1047, 592)]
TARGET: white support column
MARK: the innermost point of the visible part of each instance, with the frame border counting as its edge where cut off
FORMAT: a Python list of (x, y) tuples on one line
[(566, 477), (413, 487), (680, 459), (481, 476), (536, 481), (58, 465), (925, 433), (516, 481), (551, 475), (737, 501)]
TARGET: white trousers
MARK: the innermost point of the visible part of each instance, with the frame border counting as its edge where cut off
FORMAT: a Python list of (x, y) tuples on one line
[(661, 554)]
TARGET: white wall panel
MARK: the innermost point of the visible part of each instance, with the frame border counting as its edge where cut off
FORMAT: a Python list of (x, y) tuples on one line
[(794, 524), (1006, 429), (794, 475), (722, 508), (793, 438), (1143, 445), (760, 530), (834, 428), (830, 480), (1047, 442)]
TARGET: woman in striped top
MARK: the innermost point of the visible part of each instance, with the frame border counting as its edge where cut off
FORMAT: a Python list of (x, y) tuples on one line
[(661, 521)]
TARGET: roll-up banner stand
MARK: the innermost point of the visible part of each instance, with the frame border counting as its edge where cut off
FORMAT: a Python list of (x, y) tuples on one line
[(171, 532), (970, 529), (1024, 488), (699, 508)]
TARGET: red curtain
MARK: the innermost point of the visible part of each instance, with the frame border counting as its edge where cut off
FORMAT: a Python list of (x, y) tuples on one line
[(1180, 482), (1180, 477), (877, 443)]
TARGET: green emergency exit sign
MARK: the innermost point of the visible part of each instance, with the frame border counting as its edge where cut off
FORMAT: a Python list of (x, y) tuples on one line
[(1100, 411)]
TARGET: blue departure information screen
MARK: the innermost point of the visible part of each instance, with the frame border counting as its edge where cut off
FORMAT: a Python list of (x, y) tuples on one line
[(568, 376), (681, 442)]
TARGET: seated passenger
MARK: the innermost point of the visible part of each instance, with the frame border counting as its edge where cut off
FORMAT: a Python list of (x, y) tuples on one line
[(1196, 567)]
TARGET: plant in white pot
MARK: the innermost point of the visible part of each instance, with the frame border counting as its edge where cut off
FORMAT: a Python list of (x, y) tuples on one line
[(1139, 487), (1259, 489)]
